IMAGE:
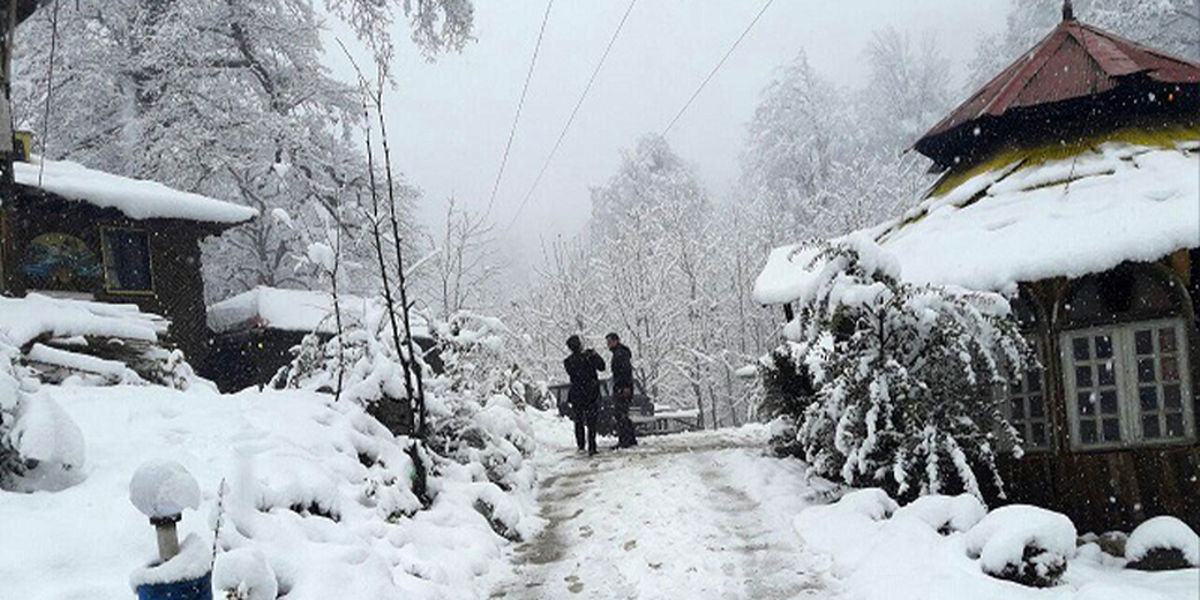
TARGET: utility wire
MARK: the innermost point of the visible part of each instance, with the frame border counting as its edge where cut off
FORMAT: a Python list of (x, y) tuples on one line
[(49, 90), (520, 105), (720, 63), (574, 111)]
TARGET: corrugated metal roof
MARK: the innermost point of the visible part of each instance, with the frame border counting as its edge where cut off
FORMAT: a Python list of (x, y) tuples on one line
[(1074, 61)]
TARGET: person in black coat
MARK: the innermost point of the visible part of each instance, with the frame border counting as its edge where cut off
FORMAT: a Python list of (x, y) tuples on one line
[(584, 395), (622, 370)]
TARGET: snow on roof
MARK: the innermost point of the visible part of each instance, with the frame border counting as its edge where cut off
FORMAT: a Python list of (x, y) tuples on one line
[(290, 310), (1067, 217), (23, 320), (138, 199), (286, 310)]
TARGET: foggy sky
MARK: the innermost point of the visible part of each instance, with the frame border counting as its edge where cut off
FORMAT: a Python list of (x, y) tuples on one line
[(450, 120)]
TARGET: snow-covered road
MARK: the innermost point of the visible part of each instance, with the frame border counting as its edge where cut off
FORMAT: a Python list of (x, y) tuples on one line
[(702, 515)]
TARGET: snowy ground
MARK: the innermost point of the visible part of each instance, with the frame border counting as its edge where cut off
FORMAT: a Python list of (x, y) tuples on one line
[(702, 515), (708, 515)]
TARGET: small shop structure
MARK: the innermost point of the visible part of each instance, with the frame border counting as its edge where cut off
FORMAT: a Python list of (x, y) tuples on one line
[(1071, 184)]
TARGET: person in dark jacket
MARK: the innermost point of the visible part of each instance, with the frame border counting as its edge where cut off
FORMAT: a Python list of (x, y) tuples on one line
[(584, 395), (622, 370)]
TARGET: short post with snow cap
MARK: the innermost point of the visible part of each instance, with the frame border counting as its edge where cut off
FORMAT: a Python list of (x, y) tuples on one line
[(161, 490)]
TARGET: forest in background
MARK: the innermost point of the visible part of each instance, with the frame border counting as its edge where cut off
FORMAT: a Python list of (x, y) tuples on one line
[(230, 98)]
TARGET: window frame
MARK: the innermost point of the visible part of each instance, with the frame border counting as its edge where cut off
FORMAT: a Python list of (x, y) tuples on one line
[(106, 253), (1129, 409)]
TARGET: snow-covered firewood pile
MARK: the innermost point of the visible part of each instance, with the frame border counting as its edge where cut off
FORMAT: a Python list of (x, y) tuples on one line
[(79, 342), (944, 547)]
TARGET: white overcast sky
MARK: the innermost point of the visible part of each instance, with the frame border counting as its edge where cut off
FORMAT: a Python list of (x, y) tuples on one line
[(449, 120)]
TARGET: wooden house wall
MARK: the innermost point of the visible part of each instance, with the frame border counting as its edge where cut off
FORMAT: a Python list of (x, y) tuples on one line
[(1109, 489), (178, 286)]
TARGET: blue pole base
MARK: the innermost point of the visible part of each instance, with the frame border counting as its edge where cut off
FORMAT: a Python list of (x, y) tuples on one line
[(191, 589)]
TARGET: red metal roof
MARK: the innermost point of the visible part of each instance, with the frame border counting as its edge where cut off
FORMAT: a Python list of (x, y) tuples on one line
[(1074, 61)]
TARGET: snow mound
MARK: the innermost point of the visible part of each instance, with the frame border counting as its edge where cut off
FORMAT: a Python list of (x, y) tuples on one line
[(163, 488), (1163, 533), (192, 562), (49, 443), (945, 514), (138, 199), (1023, 543), (244, 573), (872, 503), (1104, 590)]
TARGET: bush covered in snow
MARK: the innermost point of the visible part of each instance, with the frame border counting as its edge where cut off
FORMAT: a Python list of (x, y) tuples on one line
[(901, 376), (41, 448), (1161, 544), (1025, 544), (945, 514)]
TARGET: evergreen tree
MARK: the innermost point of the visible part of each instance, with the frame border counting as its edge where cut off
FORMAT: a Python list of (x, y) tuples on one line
[(902, 376)]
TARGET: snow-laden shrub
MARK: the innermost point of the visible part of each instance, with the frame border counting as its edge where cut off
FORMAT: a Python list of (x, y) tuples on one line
[(49, 445), (1163, 543), (901, 376), (244, 574), (945, 514), (41, 448), (1024, 544)]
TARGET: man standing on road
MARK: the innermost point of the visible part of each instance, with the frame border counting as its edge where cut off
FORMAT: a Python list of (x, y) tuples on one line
[(622, 370), (584, 396)]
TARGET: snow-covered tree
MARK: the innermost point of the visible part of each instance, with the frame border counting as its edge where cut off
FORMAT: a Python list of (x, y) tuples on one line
[(464, 267), (901, 375)]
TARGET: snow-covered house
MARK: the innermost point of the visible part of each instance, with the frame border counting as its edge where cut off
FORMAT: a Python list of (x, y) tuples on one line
[(70, 231), (1071, 184)]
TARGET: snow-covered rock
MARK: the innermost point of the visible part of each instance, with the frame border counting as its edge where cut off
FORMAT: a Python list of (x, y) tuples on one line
[(163, 488), (1022, 543), (945, 514), (1162, 543)]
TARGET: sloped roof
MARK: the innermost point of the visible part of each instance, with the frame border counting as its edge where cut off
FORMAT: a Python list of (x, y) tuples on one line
[(1023, 222), (136, 198), (1074, 61)]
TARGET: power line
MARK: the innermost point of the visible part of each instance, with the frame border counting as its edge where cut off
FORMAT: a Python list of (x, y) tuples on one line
[(520, 105), (574, 111), (718, 67)]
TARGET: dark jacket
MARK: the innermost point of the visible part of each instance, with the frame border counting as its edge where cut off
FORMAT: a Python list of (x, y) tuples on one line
[(585, 385), (622, 367)]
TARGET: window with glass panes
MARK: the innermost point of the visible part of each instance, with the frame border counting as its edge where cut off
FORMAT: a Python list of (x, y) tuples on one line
[(1026, 410), (1127, 383)]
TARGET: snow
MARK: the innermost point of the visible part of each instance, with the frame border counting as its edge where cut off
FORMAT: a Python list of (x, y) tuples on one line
[(1163, 532), (1118, 202), (945, 513), (246, 573), (292, 310), (23, 320), (192, 562), (137, 199), (903, 558), (320, 489), (115, 371), (50, 442), (163, 488), (286, 310), (1000, 539)]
